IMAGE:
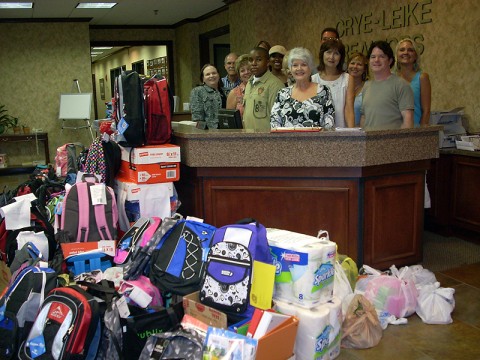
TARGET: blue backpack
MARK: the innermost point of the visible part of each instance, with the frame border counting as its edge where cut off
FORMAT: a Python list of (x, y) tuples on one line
[(228, 274), (177, 263)]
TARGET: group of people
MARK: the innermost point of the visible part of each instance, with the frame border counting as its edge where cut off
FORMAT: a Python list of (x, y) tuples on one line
[(273, 87)]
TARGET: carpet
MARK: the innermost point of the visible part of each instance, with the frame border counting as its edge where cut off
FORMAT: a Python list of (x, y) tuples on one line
[(443, 253)]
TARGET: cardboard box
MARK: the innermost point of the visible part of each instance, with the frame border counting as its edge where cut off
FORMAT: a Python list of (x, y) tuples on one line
[(210, 316), (152, 154), (75, 248), (278, 343), (144, 200), (149, 173)]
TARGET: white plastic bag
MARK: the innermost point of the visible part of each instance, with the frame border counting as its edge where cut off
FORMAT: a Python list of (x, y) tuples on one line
[(342, 288), (341, 285), (435, 304), (419, 275), (394, 293)]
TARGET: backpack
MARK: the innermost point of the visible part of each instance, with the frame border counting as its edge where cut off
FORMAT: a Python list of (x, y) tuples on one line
[(38, 223), (66, 159), (158, 111), (129, 108), (228, 271), (20, 303), (67, 326), (87, 222), (103, 158), (168, 345), (140, 260), (177, 263)]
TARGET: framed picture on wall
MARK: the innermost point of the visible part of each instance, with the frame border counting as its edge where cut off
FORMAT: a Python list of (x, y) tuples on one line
[(102, 89)]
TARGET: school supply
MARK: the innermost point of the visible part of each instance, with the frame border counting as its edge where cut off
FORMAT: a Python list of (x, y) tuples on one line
[(67, 326), (66, 159), (89, 212), (19, 305), (129, 108), (228, 276), (103, 158), (158, 111), (177, 263)]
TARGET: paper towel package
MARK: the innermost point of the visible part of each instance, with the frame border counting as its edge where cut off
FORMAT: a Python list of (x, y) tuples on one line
[(304, 267), (319, 329)]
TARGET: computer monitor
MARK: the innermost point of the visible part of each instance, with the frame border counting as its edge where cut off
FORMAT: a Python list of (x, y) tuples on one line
[(229, 119)]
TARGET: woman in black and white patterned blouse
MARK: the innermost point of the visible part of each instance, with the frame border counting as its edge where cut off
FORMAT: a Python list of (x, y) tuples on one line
[(303, 104)]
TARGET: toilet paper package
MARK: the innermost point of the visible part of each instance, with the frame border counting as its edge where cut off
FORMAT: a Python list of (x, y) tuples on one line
[(304, 267), (319, 329)]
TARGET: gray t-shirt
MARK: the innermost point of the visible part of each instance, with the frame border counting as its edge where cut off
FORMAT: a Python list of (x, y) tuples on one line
[(384, 101)]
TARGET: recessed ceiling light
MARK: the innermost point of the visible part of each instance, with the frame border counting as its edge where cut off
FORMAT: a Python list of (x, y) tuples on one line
[(16, 5), (103, 5), (102, 47), (96, 53)]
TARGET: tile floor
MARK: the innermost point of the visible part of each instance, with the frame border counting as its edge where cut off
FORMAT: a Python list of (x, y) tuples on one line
[(419, 341)]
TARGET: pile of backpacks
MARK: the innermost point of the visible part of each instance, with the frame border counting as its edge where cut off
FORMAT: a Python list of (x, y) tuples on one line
[(98, 263)]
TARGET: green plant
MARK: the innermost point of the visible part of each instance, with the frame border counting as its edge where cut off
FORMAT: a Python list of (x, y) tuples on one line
[(6, 120)]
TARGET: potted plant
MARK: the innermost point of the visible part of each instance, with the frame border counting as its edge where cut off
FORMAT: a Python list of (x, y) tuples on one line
[(6, 120), (17, 129)]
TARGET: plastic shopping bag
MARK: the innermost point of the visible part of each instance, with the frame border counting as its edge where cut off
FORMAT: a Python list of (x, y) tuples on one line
[(361, 328), (436, 304)]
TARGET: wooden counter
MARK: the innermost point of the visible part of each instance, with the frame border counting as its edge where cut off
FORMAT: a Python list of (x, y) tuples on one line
[(365, 188)]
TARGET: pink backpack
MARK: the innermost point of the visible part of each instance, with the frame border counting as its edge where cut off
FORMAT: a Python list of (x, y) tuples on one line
[(84, 221), (66, 159)]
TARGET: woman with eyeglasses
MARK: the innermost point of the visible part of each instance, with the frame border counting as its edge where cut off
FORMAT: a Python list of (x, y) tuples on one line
[(331, 74)]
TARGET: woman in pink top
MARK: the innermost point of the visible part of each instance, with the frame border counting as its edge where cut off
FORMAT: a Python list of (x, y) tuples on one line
[(235, 97)]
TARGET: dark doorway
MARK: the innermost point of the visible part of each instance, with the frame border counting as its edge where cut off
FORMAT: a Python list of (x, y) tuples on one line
[(219, 53), (204, 40)]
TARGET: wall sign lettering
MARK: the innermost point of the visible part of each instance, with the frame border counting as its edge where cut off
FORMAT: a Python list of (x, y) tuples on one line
[(402, 16)]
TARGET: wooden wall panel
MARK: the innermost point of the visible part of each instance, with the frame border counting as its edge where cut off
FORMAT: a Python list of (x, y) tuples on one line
[(304, 206), (465, 199), (392, 235)]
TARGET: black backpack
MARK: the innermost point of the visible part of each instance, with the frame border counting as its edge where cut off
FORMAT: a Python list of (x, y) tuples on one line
[(129, 109)]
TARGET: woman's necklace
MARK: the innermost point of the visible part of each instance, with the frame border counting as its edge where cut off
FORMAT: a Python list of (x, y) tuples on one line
[(358, 88)]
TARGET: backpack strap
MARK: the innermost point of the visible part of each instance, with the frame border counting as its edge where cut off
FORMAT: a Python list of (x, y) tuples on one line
[(83, 211), (152, 228)]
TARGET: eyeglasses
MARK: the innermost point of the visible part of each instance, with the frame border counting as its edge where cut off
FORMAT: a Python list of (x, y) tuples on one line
[(329, 38)]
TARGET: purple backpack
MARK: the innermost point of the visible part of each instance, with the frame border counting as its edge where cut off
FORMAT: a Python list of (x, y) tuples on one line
[(87, 222), (228, 275)]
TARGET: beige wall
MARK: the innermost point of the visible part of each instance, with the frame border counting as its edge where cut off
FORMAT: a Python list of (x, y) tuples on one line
[(38, 62), (446, 29)]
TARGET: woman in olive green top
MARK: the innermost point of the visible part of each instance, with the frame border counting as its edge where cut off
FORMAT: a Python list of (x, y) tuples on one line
[(206, 99)]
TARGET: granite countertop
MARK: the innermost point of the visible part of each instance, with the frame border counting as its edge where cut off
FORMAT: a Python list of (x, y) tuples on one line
[(249, 148)]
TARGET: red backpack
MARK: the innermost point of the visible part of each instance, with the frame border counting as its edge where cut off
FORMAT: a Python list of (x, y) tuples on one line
[(158, 111)]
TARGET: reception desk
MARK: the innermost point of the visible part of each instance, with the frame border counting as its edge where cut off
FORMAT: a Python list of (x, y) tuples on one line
[(365, 188)]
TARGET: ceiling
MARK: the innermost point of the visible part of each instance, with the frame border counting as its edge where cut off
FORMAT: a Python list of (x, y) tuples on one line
[(126, 12)]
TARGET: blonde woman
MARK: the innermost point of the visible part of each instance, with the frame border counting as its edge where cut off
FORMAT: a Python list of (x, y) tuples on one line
[(358, 70), (235, 97), (408, 68)]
